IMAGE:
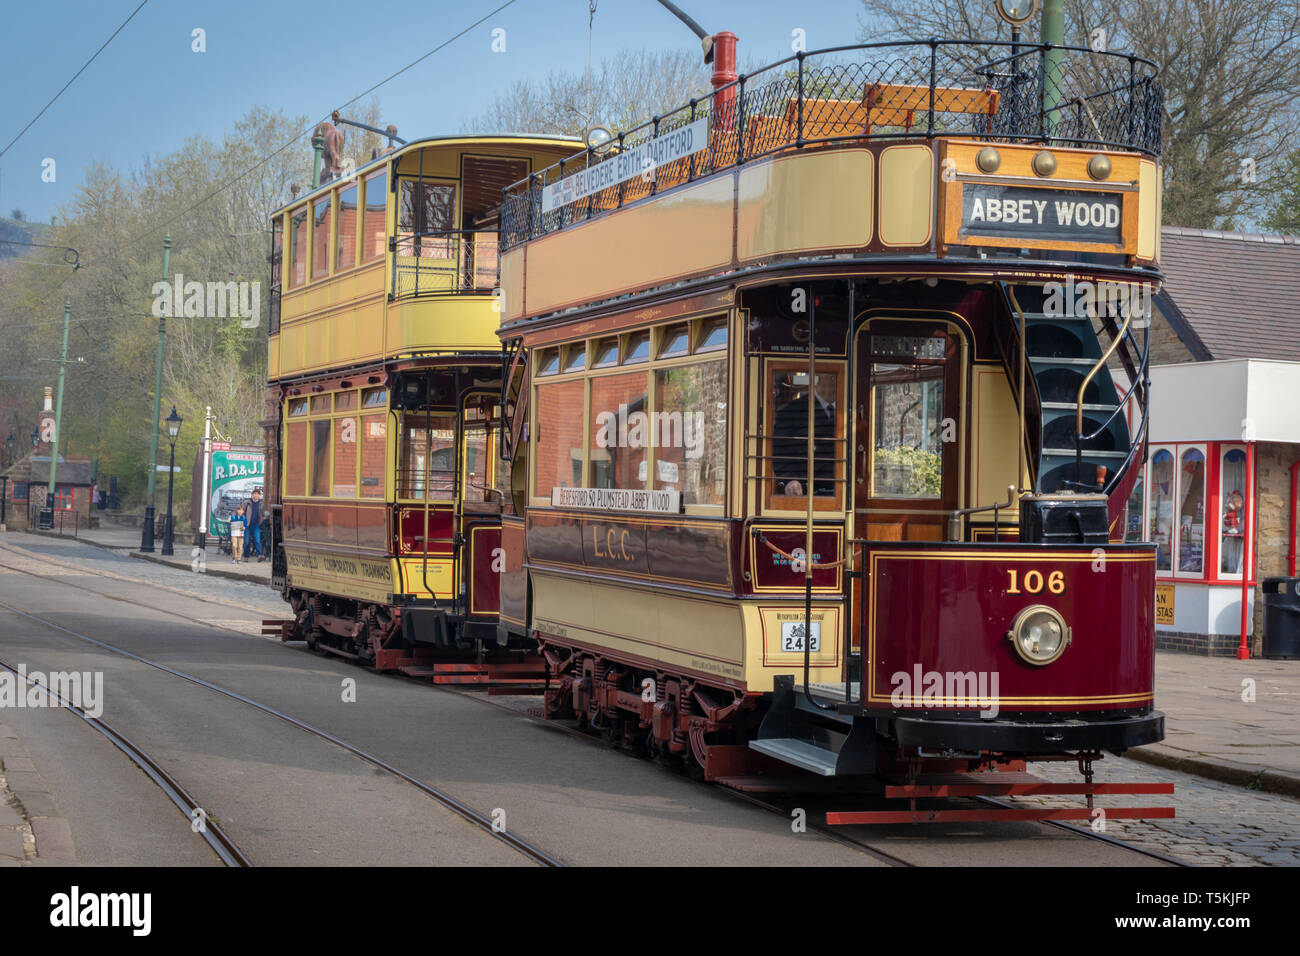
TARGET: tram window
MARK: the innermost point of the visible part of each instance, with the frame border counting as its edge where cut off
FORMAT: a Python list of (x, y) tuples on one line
[(606, 353), (907, 429), (476, 465), (620, 431), (373, 441), (1162, 508), (345, 401), (320, 404), (295, 459), (298, 247), (713, 335), (373, 397), (345, 458), (559, 443), (277, 265), (676, 341), (638, 348), (788, 399), (576, 358), (549, 362), (426, 208), (320, 458), (1191, 513), (297, 406), (373, 226), (320, 248), (691, 436), (428, 457), (345, 248)]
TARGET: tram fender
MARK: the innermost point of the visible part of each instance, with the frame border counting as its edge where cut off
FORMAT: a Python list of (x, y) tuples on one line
[(426, 625)]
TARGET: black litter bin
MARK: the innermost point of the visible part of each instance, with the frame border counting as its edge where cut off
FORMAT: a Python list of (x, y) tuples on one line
[(1282, 618)]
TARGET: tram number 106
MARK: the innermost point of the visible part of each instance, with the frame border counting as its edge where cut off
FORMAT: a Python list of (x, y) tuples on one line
[(1034, 583)]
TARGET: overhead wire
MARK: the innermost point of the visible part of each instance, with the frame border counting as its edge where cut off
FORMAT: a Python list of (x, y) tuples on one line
[(74, 77), (266, 159)]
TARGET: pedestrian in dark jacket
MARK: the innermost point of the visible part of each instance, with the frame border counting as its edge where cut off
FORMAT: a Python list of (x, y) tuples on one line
[(253, 543)]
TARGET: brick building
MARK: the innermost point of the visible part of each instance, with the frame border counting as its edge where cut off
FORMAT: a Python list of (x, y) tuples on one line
[(1218, 494), (27, 487)]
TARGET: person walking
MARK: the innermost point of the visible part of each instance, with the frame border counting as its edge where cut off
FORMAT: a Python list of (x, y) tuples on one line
[(254, 538), (238, 525)]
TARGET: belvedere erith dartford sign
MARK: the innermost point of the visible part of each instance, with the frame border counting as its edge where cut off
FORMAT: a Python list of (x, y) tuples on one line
[(620, 167), (1021, 212)]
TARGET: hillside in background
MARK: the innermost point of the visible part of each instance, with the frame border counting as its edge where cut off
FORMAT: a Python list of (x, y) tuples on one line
[(18, 230)]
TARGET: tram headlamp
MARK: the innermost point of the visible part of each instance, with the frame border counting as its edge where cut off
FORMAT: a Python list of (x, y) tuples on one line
[(1039, 634), (1015, 11), (598, 137)]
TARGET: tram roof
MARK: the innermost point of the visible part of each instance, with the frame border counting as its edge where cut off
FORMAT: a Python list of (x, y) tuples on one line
[(455, 139)]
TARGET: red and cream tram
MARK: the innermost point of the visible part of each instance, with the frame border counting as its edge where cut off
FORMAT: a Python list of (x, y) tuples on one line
[(827, 393), (386, 494)]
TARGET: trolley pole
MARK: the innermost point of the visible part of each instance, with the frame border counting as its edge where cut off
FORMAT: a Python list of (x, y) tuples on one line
[(47, 513), (1053, 34), (147, 535)]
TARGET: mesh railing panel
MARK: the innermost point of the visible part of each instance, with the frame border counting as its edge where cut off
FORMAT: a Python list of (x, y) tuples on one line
[(1056, 96)]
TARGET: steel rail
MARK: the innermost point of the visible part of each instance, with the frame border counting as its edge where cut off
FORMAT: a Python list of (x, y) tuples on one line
[(446, 800), (1094, 835), (222, 845)]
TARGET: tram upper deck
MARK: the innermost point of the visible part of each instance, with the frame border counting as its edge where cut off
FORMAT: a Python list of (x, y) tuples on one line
[(398, 258), (940, 150)]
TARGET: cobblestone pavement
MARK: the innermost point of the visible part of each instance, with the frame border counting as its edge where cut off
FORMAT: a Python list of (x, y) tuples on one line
[(1217, 824)]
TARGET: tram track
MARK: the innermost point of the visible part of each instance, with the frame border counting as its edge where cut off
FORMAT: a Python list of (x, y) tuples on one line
[(462, 810), (209, 829), (835, 834), (831, 833)]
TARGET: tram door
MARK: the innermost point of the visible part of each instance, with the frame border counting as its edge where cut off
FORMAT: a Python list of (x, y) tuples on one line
[(907, 440)]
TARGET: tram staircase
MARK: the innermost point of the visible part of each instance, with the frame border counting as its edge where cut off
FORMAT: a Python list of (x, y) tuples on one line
[(1061, 352)]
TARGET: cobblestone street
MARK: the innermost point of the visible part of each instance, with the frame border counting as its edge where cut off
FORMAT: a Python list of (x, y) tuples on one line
[(1217, 824)]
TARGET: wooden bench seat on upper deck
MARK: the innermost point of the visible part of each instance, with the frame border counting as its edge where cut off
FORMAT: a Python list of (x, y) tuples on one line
[(884, 104)]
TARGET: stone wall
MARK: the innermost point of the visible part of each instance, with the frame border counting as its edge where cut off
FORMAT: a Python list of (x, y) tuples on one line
[(1274, 519)]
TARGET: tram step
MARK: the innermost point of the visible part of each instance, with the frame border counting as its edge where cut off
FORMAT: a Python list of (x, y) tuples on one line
[(800, 753), (1070, 407), (1087, 453)]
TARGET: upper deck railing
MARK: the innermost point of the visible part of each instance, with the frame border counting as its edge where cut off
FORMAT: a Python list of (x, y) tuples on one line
[(1054, 95)]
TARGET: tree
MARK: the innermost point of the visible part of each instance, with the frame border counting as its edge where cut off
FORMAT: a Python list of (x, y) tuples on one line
[(17, 215), (624, 91), (214, 198), (1284, 217), (1230, 73)]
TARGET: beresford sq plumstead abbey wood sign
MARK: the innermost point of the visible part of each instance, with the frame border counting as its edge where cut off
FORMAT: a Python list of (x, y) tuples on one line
[(1018, 212)]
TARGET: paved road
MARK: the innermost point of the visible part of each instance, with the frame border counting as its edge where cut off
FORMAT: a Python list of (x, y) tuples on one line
[(289, 798)]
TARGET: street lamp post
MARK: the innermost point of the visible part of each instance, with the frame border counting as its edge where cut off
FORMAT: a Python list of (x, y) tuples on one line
[(173, 429), (146, 530)]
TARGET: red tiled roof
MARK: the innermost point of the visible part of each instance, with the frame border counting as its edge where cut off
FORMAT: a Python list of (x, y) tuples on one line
[(1240, 292)]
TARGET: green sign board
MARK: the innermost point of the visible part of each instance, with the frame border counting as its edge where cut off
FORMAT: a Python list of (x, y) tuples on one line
[(235, 473)]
